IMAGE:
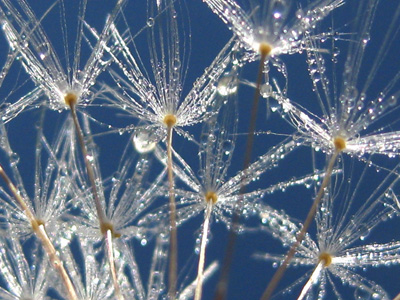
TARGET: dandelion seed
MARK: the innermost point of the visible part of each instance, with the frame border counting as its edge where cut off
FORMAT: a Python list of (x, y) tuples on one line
[(24, 275), (159, 101), (127, 200), (27, 37), (45, 209), (349, 112), (266, 28), (333, 253)]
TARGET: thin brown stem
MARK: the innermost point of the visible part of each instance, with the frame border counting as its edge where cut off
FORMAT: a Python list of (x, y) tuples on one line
[(222, 285), (173, 245), (89, 167), (105, 227), (39, 229), (300, 236)]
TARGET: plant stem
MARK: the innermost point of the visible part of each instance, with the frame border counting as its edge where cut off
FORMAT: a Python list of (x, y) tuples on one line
[(200, 269), (311, 280), (110, 254), (89, 168), (281, 270), (173, 246), (105, 228), (222, 285)]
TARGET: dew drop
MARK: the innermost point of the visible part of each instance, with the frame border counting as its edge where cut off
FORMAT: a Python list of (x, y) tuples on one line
[(14, 159), (266, 90), (227, 146), (150, 22), (227, 85), (361, 294), (43, 50), (144, 140), (279, 9), (392, 101)]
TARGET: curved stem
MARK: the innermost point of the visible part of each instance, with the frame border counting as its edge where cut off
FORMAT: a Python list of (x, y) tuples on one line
[(281, 270), (173, 246), (200, 269)]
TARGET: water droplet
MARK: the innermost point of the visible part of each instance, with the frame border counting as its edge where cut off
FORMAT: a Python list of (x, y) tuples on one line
[(14, 159), (227, 85), (336, 51), (279, 9), (227, 146), (266, 90), (392, 101), (366, 38), (361, 294), (144, 140), (150, 22)]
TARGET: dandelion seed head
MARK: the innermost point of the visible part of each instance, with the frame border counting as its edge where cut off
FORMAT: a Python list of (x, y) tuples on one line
[(261, 43)]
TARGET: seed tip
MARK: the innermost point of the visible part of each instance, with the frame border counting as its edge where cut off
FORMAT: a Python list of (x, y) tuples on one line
[(340, 143), (325, 258), (170, 120), (211, 197), (36, 223), (70, 99), (105, 226), (265, 49)]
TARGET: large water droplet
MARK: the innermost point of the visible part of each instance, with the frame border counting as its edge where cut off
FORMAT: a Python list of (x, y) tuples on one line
[(227, 85), (144, 140)]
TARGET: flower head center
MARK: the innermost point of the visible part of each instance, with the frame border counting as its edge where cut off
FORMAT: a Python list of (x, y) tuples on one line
[(339, 143), (70, 99), (211, 197), (170, 120), (265, 49), (36, 224), (105, 226), (326, 259)]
